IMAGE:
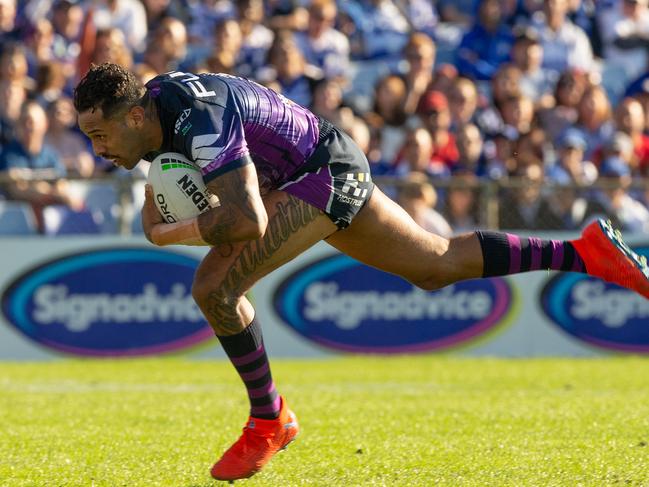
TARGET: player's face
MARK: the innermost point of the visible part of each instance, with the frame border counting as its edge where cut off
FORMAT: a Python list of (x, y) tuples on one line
[(118, 139)]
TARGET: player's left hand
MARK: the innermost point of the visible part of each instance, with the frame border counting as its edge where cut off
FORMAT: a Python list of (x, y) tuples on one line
[(150, 214)]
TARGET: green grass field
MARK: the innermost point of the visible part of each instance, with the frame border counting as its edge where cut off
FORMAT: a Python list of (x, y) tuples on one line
[(365, 421)]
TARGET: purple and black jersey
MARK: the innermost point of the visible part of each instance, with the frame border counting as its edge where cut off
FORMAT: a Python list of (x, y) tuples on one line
[(218, 121), (221, 122)]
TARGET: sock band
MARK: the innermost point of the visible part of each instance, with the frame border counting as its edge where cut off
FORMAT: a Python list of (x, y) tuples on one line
[(505, 253), (248, 355)]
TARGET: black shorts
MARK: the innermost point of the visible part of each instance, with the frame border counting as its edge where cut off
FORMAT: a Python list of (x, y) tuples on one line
[(336, 178)]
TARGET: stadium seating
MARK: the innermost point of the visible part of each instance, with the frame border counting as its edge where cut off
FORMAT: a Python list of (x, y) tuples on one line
[(61, 220), (17, 218), (102, 200)]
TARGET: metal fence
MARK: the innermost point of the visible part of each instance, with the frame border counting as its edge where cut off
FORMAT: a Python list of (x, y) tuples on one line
[(466, 202)]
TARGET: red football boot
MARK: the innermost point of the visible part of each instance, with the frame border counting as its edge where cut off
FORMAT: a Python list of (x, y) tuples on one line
[(607, 256), (261, 439)]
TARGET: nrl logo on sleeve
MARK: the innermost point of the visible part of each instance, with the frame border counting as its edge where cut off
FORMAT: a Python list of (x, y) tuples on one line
[(183, 116)]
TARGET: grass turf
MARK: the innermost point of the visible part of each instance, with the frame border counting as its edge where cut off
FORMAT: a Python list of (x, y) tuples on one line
[(365, 421)]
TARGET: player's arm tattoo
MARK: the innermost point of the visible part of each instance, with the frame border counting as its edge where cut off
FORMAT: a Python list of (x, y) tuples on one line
[(241, 216), (290, 217)]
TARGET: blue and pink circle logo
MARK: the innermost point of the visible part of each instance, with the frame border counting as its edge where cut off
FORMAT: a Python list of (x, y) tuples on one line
[(109, 302), (344, 305), (598, 313)]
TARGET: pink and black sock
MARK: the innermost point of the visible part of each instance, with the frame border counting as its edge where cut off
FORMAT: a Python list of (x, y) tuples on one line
[(505, 254), (248, 355)]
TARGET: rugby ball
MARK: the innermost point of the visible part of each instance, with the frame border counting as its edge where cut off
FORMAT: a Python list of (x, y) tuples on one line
[(178, 188)]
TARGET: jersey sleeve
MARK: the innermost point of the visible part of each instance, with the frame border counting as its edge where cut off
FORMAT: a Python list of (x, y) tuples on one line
[(210, 132), (215, 140)]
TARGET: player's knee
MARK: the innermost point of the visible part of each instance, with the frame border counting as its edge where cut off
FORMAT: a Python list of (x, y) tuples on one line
[(208, 294), (433, 283)]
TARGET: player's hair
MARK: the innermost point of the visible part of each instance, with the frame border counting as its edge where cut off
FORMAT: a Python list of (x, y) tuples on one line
[(109, 87)]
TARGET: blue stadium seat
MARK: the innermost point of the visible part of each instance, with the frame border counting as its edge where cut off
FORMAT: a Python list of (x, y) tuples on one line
[(102, 200), (61, 220), (17, 218)]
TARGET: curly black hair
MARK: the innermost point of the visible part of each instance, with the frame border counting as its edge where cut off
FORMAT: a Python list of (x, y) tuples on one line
[(109, 87)]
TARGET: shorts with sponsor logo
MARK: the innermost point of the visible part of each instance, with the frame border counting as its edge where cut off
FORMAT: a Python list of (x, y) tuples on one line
[(336, 178)]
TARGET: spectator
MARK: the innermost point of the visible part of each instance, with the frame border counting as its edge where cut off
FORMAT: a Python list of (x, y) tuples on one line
[(421, 15), (594, 118), (389, 99), (225, 56), (419, 198), (457, 11), (415, 155), (360, 132), (463, 102), (419, 52), (566, 208), (289, 69), (565, 46), (487, 45), (614, 201), (530, 147), (619, 145), (129, 16), (518, 112), (322, 45), (504, 85), (626, 38), (13, 65), (499, 154), (256, 38), (527, 55), (67, 19), (286, 14), (110, 47), (170, 38), (569, 91), (156, 10), (378, 28), (39, 45), (69, 145), (461, 207), (327, 103), (8, 29), (525, 208), (443, 78), (50, 82), (469, 145), (28, 152), (12, 97), (630, 119), (571, 167), (204, 15), (436, 117)]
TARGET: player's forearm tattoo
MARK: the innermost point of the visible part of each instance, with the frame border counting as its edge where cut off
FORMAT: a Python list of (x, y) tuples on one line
[(291, 216), (220, 225)]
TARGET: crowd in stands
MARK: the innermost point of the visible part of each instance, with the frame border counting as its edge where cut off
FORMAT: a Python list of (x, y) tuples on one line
[(547, 101)]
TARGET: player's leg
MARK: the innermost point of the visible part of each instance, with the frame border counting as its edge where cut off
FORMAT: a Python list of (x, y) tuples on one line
[(384, 236), (220, 284)]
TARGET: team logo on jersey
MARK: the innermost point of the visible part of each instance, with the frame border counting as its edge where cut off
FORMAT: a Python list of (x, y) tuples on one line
[(181, 118)]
